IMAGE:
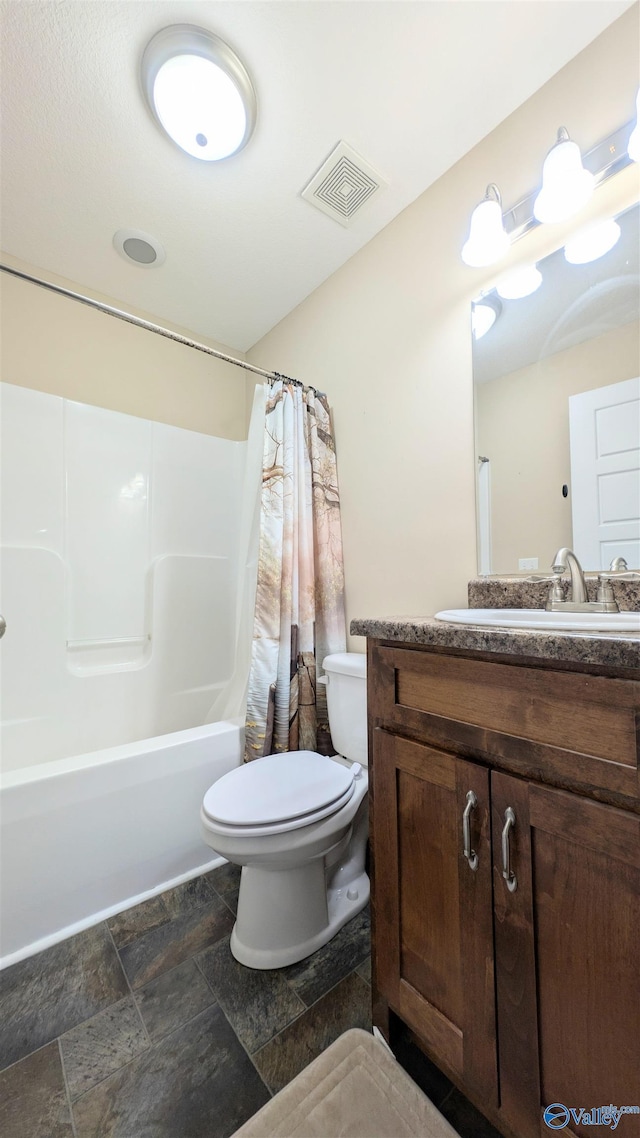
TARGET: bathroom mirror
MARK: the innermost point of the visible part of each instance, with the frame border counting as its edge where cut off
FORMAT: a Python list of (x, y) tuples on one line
[(557, 414)]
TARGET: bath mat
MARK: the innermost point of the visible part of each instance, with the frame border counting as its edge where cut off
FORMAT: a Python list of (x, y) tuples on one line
[(355, 1089)]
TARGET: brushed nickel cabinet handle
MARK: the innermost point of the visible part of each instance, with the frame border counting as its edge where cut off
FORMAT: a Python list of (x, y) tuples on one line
[(507, 873), (3, 627), (467, 852)]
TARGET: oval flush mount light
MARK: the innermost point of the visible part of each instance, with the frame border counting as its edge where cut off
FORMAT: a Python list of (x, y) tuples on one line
[(199, 92)]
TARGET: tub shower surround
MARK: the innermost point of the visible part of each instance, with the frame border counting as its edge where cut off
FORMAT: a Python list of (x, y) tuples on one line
[(119, 541), (119, 574)]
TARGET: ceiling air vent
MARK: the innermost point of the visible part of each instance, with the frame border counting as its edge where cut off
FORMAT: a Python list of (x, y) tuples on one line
[(343, 185)]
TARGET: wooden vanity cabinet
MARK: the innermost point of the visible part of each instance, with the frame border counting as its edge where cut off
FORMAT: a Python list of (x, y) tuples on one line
[(525, 992), (434, 928), (567, 950)]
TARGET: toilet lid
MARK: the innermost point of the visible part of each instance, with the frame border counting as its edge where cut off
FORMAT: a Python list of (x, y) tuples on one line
[(278, 788)]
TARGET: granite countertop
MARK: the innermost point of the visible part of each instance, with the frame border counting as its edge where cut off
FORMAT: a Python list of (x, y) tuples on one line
[(610, 650), (532, 592)]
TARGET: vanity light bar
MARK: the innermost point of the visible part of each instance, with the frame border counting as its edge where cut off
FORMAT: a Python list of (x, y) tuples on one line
[(488, 243), (604, 160)]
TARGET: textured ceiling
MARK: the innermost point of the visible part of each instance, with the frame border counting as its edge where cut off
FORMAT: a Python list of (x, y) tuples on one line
[(412, 86)]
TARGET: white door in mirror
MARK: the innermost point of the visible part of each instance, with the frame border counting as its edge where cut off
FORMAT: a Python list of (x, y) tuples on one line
[(605, 473), (540, 618)]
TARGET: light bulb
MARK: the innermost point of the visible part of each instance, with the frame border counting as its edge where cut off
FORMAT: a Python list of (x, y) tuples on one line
[(488, 240), (566, 185), (200, 107), (592, 242), (634, 142), (521, 282), (484, 314)]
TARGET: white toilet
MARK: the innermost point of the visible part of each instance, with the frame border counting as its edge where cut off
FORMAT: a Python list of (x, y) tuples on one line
[(297, 823)]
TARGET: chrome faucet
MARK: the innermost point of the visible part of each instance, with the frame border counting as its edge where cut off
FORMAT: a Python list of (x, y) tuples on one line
[(605, 601)]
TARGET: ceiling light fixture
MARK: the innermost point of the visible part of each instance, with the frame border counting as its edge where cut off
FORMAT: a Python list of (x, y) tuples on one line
[(566, 185), (484, 313), (634, 142), (521, 282), (199, 92), (487, 241), (592, 242)]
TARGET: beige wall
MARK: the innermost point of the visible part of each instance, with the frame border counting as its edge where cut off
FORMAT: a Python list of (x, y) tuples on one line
[(58, 345), (387, 336), (523, 428)]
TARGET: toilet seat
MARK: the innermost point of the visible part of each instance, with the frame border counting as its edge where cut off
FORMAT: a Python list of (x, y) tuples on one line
[(278, 793)]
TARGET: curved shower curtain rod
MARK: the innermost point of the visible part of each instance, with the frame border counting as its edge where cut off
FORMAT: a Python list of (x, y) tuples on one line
[(120, 314)]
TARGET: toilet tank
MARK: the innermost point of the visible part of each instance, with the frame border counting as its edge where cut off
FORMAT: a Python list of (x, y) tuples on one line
[(347, 704)]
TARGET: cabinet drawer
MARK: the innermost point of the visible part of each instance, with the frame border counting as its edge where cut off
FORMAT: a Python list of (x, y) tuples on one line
[(572, 728)]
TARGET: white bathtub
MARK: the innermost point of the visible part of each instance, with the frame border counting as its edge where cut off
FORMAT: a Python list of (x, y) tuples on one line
[(84, 838)]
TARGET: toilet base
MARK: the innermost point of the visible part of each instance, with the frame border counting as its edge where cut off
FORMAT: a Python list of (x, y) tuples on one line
[(333, 908)]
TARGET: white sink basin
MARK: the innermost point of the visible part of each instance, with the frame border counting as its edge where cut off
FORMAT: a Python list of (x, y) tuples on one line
[(540, 618)]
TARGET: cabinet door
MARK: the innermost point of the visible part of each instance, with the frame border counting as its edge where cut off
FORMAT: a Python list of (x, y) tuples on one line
[(433, 911), (567, 965)]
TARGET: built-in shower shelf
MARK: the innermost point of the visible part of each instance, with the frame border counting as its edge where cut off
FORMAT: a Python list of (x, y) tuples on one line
[(117, 654)]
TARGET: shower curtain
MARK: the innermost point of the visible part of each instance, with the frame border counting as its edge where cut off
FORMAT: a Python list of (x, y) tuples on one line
[(299, 611), (231, 702)]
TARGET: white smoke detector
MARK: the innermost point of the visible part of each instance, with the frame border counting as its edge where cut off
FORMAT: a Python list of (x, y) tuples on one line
[(343, 185)]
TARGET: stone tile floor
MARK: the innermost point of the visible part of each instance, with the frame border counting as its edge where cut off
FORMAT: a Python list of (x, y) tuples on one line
[(146, 1027)]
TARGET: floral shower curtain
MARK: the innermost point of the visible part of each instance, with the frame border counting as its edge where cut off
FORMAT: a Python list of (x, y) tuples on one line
[(299, 613)]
